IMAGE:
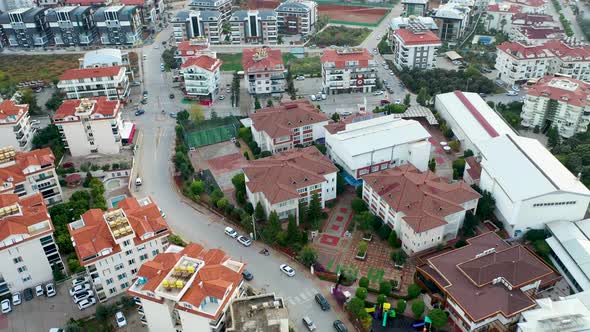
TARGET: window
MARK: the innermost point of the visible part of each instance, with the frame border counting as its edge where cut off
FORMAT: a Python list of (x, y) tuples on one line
[(155, 252), (112, 290), (131, 261), (124, 286), (133, 271), (126, 243), (128, 252), (122, 276), (363, 171), (21, 269), (17, 260), (109, 281), (26, 278), (118, 267), (143, 257)]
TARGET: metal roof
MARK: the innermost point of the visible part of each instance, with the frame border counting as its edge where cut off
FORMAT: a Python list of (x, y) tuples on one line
[(571, 243)]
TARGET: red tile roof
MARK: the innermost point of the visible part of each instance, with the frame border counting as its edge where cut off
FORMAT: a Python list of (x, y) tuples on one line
[(474, 170), (423, 197), (530, 19), (504, 8), (190, 46), (532, 32), (549, 49), (547, 87), (85, 2), (340, 57), (476, 114), (279, 121), (10, 108), (80, 73), (278, 177), (273, 60), (133, 2), (529, 3), (205, 62), (101, 105), (422, 38), (16, 171), (31, 210)]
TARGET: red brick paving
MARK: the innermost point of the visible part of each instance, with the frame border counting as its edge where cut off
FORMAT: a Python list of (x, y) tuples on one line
[(335, 227), (227, 163), (439, 160), (329, 240), (339, 218), (343, 210)]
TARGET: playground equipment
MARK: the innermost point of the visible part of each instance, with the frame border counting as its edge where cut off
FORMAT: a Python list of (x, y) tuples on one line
[(426, 324), (387, 309), (369, 310)]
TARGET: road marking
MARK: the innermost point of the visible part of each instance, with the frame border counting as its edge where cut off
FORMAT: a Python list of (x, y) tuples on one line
[(157, 142), (293, 303)]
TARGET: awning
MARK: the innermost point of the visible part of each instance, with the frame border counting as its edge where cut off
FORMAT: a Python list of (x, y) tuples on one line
[(453, 55), (127, 132)]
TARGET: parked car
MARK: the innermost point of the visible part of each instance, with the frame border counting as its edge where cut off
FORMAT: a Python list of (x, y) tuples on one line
[(121, 321), (512, 93), (313, 98), (499, 83), (339, 326), (86, 303), (50, 290), (79, 289), (321, 300), (231, 232), (79, 281), (286, 269), (324, 96), (222, 97), (6, 307), (16, 300), (346, 113), (82, 296), (39, 290), (138, 182), (377, 93), (139, 112), (173, 115), (384, 102), (397, 101), (244, 240), (137, 300), (309, 323), (300, 78), (28, 294), (515, 88), (247, 275), (145, 93), (227, 90), (171, 96)]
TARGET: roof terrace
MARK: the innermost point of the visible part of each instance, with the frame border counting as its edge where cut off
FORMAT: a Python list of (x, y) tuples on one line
[(178, 280), (119, 225)]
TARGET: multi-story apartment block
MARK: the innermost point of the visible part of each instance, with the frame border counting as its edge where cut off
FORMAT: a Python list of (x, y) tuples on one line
[(118, 25), (254, 27), (193, 48), (26, 27), (530, 6), (283, 181), (206, 24), (201, 77), (560, 102), (150, 11), (282, 127), (499, 16), (222, 6), (532, 35), (423, 209), (26, 173), (348, 70), (518, 63), (90, 125), (188, 289), (452, 20), (271, 314), (15, 126), (8, 5), (107, 57), (111, 82), (264, 71), (49, 3), (415, 47), (297, 16), (28, 251), (72, 26), (415, 7), (113, 245), (92, 3), (407, 22)]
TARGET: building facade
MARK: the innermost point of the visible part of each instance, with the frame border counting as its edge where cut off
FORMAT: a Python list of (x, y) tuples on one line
[(452, 20), (72, 26), (15, 125), (415, 48), (224, 7), (119, 25), (271, 313), (348, 70), (193, 48), (254, 27), (26, 27), (570, 313), (415, 7), (113, 245), (151, 12), (111, 82), (205, 24), (499, 16), (201, 77), (297, 17), (264, 71)]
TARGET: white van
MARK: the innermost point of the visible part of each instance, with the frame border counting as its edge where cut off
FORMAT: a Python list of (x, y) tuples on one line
[(138, 181), (231, 232)]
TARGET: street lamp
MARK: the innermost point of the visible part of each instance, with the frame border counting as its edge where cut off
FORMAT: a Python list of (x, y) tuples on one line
[(467, 87), (254, 227)]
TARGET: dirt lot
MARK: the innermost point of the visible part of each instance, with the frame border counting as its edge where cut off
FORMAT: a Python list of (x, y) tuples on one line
[(356, 14), (20, 68)]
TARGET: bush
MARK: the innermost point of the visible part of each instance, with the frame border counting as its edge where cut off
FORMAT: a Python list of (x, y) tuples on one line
[(413, 291), (460, 243), (359, 191), (362, 249), (535, 234), (384, 231), (197, 187), (175, 239), (385, 287), (455, 145), (393, 240), (381, 299), (361, 293), (418, 308), (376, 223), (358, 205), (401, 306), (399, 257), (308, 255), (439, 318), (364, 282)]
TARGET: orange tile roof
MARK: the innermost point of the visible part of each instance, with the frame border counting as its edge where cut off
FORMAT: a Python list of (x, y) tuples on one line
[(186, 46), (412, 38), (9, 108), (580, 96), (278, 177), (22, 161), (102, 106), (269, 63), (504, 8), (279, 121), (80, 73), (549, 49), (32, 210), (339, 58), (424, 198), (205, 62)]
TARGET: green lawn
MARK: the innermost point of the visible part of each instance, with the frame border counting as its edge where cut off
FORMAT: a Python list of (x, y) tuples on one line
[(308, 66), (231, 62), (341, 36), (18, 68), (305, 66)]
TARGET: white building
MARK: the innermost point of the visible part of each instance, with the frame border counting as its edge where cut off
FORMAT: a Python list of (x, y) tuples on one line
[(188, 289), (297, 16), (27, 248), (559, 102), (415, 47), (271, 314), (452, 20), (90, 125), (499, 16), (470, 117), (532, 35), (570, 251), (107, 57), (264, 71), (205, 24), (193, 48), (405, 22), (423, 209), (113, 245), (280, 182), (368, 146), (201, 77), (222, 6), (348, 70), (531, 187), (15, 125), (254, 27), (518, 63), (282, 127), (25, 173), (568, 314), (111, 82), (415, 7)]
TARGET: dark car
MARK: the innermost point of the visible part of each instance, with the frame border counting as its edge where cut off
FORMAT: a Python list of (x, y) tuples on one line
[(321, 300), (139, 112), (171, 96), (339, 326), (28, 294), (173, 115), (145, 93), (247, 275)]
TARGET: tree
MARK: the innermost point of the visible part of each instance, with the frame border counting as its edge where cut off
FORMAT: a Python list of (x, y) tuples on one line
[(381, 299), (197, 187), (222, 203), (54, 102), (486, 204), (423, 98), (336, 117), (28, 97), (293, 235), (271, 230), (196, 113), (358, 205), (363, 220), (303, 214), (361, 293), (340, 184), (269, 103), (127, 302), (385, 288), (257, 105), (542, 248), (384, 231), (314, 211), (72, 326), (49, 137), (418, 308), (215, 195), (407, 99), (104, 312), (239, 182), (182, 116), (259, 212), (469, 225), (458, 168), (413, 291), (432, 165), (535, 234), (399, 257), (308, 255), (401, 306), (393, 240), (356, 306), (364, 282), (553, 137), (439, 318), (472, 71)]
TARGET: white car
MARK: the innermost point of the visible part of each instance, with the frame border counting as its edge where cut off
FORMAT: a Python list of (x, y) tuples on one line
[(397, 101), (244, 240), (16, 299), (300, 78), (156, 46), (222, 97), (512, 93), (82, 296), (79, 281), (86, 303), (6, 307), (515, 88), (231, 232), (391, 73), (313, 98), (50, 290), (286, 269), (346, 113), (79, 289), (39, 290), (324, 97), (377, 93), (121, 321)]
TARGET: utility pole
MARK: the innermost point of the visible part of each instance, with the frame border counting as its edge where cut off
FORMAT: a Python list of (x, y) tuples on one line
[(254, 227)]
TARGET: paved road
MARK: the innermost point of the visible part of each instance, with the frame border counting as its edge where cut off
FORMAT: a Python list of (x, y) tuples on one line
[(156, 140)]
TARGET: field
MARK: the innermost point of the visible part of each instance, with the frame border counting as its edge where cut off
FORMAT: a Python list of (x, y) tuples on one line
[(353, 14), (233, 62), (20, 68), (341, 36)]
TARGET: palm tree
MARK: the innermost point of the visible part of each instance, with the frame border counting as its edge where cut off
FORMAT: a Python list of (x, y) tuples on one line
[(489, 18)]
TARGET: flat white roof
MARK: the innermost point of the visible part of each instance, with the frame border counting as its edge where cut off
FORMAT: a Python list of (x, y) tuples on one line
[(102, 56), (566, 314), (572, 245), (526, 169)]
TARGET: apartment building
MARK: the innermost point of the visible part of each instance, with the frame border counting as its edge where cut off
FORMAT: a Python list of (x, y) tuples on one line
[(151, 12), (347, 70), (369, 144), (532, 35), (254, 27), (297, 17), (113, 245), (264, 71), (423, 209), (119, 25), (90, 125), (282, 127), (188, 289), (560, 102), (271, 313), (72, 25), (530, 6), (224, 7), (414, 7), (415, 47), (193, 48), (26, 173), (487, 284), (28, 251), (518, 63), (26, 27), (201, 77), (405, 23), (15, 126), (111, 82), (8, 5), (499, 16), (206, 24), (452, 20), (283, 181)]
